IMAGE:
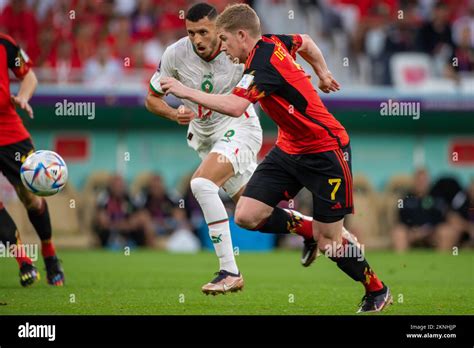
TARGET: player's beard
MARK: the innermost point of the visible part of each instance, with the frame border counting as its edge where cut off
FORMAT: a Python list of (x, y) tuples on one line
[(215, 45)]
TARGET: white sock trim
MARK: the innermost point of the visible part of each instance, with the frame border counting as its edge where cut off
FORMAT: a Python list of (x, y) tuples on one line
[(215, 214)]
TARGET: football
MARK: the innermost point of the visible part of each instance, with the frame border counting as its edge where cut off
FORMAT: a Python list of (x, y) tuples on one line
[(44, 173)]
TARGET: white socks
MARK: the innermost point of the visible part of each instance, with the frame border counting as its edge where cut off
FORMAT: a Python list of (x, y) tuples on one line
[(207, 195)]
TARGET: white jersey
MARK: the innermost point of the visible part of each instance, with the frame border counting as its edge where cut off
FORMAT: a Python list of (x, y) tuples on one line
[(217, 76)]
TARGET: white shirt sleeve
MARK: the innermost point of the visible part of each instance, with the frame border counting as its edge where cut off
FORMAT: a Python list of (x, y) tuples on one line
[(165, 69)]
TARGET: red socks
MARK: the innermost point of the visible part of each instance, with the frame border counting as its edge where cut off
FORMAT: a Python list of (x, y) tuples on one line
[(372, 282), (21, 256), (47, 248), (284, 221), (301, 226)]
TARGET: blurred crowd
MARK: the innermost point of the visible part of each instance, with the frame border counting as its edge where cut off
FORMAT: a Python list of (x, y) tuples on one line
[(438, 215), (145, 213), (103, 41), (145, 218), (98, 42), (365, 34)]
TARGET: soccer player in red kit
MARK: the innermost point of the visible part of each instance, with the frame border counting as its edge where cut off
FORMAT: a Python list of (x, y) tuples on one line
[(15, 146), (312, 150)]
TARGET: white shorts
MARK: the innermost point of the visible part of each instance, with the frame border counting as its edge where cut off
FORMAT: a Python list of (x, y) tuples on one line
[(238, 144)]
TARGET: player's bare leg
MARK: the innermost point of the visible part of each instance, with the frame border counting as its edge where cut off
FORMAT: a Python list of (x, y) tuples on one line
[(258, 216), (250, 213), (212, 174), (350, 259), (38, 215)]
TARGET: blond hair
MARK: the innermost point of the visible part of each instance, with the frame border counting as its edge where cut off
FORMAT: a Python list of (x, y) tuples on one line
[(240, 17)]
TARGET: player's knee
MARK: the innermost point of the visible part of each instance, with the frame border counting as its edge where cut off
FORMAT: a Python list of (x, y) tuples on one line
[(329, 227), (329, 232), (247, 219), (244, 220), (202, 187), (248, 216)]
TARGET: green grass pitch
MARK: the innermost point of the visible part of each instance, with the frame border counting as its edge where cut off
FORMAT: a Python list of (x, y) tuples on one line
[(150, 282)]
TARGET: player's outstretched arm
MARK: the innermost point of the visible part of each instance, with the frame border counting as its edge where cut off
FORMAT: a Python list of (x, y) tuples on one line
[(311, 53), (231, 105), (27, 88), (156, 105)]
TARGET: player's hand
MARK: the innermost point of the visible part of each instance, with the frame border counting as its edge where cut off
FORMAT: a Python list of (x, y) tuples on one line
[(173, 86), (22, 103), (184, 115), (328, 83)]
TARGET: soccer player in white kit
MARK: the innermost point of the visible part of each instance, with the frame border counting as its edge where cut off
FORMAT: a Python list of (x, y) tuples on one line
[(228, 146)]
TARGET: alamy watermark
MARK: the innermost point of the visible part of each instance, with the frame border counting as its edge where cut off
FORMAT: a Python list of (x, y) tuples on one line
[(350, 250), (28, 330), (19, 250), (244, 156), (396, 108), (68, 108)]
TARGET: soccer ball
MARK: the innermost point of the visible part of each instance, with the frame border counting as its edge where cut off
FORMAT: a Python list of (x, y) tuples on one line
[(44, 173)]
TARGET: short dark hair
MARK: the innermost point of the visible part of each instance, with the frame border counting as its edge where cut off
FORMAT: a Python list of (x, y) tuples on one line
[(240, 16), (200, 11)]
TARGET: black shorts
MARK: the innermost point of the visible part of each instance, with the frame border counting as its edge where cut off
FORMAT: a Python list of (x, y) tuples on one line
[(327, 175), (12, 157)]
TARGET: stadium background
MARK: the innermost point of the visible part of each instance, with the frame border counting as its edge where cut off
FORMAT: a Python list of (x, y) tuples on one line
[(104, 52)]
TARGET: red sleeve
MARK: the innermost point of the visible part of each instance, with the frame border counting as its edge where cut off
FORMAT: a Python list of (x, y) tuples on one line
[(261, 78), (291, 42), (17, 60), (251, 93)]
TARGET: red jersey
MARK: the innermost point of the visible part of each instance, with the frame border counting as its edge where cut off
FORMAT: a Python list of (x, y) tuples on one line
[(14, 58), (286, 94)]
